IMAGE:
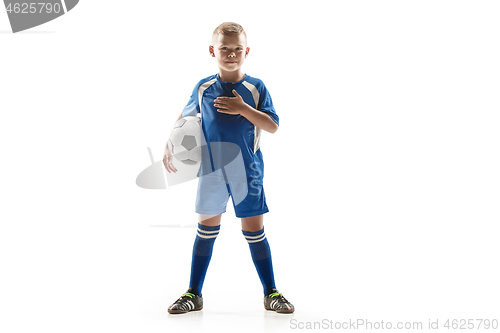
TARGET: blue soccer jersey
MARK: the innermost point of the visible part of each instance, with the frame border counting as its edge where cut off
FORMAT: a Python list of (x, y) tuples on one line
[(225, 134)]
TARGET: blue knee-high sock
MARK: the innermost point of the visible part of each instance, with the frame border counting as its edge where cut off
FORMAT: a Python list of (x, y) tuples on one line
[(202, 253), (261, 256)]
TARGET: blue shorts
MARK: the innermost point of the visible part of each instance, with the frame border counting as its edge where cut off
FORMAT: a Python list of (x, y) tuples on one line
[(213, 194)]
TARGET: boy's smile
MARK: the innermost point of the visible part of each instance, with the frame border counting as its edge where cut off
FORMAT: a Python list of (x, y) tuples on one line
[(230, 52)]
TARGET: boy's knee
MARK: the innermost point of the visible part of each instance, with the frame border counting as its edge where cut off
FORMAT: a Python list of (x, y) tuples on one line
[(209, 220), (252, 224)]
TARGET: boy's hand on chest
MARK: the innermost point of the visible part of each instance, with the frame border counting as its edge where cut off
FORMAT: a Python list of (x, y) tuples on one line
[(231, 105)]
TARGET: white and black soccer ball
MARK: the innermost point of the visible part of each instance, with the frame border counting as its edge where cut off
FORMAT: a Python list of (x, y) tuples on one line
[(185, 140)]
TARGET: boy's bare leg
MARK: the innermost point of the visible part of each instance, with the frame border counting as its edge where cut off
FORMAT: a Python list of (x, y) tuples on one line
[(252, 224), (209, 220)]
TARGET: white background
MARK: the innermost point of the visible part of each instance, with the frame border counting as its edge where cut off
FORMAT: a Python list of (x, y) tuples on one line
[(382, 180)]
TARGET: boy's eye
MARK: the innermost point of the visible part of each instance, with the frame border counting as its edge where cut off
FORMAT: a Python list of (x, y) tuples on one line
[(225, 48)]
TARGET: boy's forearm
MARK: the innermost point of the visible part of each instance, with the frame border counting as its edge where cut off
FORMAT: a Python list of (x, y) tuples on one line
[(178, 118), (260, 119)]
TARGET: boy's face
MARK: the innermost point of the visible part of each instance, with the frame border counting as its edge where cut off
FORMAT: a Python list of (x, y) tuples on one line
[(230, 51)]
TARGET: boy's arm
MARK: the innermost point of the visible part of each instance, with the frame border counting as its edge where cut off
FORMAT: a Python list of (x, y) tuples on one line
[(260, 119), (167, 155), (178, 118), (236, 105)]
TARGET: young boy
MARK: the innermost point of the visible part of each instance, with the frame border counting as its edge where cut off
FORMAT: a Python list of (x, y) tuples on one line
[(234, 109)]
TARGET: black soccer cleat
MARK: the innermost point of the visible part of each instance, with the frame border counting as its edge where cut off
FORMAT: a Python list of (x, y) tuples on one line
[(187, 302), (275, 301)]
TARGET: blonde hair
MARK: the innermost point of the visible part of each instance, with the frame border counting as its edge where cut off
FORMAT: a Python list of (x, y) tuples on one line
[(228, 28)]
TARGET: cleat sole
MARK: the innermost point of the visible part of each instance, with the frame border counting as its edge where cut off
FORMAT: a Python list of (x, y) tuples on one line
[(181, 311), (280, 311)]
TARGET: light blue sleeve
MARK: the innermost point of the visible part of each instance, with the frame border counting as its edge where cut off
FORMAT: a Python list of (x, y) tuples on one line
[(266, 104)]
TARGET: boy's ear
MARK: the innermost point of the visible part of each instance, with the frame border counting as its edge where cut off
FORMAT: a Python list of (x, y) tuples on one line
[(211, 50), (246, 53)]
